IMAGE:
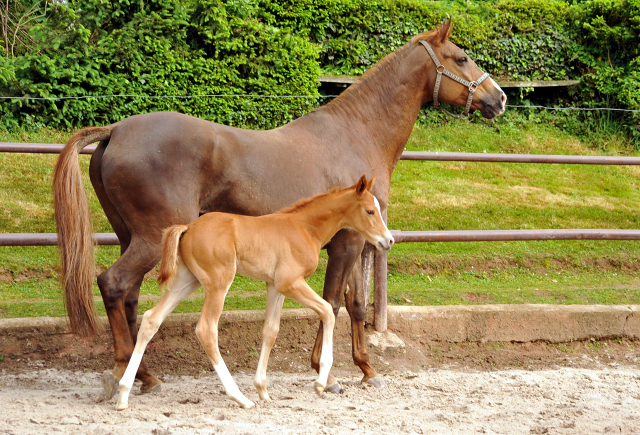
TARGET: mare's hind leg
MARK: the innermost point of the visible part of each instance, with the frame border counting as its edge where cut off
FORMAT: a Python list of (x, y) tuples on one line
[(216, 285), (269, 334), (120, 287), (182, 285)]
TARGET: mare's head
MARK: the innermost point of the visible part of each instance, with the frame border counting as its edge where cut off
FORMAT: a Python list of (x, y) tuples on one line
[(488, 98), (365, 217)]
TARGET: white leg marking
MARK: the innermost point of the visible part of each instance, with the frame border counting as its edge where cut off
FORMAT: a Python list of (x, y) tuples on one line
[(269, 334), (326, 358), (230, 386)]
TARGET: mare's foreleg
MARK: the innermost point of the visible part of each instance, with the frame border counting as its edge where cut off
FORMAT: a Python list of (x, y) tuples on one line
[(269, 334), (182, 285), (355, 301)]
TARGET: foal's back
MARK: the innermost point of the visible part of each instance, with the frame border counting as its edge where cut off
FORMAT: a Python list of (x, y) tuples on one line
[(257, 247)]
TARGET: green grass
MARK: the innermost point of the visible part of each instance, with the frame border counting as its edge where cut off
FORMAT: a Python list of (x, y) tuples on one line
[(424, 196)]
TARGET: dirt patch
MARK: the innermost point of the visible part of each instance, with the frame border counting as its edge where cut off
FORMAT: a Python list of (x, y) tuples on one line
[(50, 381), (431, 389)]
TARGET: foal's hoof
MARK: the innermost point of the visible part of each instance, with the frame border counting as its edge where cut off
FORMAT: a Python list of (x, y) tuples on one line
[(319, 388), (110, 384), (334, 388), (377, 382), (152, 387)]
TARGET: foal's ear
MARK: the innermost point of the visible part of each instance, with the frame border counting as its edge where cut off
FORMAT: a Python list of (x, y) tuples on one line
[(444, 31), (362, 185), (370, 183)]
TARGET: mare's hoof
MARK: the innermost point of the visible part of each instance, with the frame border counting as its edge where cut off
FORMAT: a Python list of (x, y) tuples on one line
[(151, 387), (334, 388), (110, 384), (377, 382)]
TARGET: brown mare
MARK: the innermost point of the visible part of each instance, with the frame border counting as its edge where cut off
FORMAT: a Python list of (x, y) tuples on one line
[(281, 249), (160, 169)]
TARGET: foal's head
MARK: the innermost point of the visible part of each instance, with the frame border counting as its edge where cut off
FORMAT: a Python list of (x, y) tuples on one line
[(364, 215)]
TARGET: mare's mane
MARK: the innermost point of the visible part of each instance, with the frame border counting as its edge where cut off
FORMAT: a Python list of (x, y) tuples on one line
[(377, 77), (297, 206)]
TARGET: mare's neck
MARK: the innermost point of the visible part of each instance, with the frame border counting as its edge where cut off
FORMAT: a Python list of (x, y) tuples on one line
[(379, 111)]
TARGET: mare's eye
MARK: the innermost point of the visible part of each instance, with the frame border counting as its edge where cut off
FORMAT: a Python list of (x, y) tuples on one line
[(462, 61), (370, 212)]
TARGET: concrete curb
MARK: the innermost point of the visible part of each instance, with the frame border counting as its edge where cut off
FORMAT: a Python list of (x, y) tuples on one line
[(476, 323)]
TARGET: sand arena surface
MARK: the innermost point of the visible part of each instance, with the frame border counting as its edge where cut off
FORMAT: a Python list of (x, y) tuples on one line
[(563, 400)]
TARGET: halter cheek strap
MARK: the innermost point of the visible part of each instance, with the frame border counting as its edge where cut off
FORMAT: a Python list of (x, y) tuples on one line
[(440, 69)]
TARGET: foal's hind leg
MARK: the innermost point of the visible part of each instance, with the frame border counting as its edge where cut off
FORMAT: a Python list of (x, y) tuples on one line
[(269, 334), (120, 287), (182, 285), (215, 287)]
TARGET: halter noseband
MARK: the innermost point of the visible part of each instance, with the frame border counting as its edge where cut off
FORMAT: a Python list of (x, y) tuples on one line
[(442, 70)]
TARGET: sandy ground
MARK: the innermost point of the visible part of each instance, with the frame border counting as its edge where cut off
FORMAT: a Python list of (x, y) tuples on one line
[(564, 400)]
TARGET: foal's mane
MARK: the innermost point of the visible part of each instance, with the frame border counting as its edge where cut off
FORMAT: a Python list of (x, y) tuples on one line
[(306, 201)]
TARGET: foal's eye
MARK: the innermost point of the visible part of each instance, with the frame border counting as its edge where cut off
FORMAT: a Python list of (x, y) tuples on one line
[(370, 212)]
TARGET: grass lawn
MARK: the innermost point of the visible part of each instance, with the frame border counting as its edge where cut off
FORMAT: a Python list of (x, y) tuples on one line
[(424, 196)]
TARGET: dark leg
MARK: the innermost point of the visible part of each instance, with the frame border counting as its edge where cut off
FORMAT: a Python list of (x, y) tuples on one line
[(120, 287), (355, 301), (343, 250)]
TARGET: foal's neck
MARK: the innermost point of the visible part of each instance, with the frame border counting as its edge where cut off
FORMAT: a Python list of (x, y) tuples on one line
[(326, 216)]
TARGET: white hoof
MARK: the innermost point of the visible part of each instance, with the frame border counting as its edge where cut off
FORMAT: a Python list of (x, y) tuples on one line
[(246, 403)]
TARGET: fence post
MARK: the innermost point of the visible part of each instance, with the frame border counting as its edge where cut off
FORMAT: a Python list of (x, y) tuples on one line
[(380, 288)]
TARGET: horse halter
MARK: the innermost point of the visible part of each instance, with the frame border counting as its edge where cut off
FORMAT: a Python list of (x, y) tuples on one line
[(473, 85)]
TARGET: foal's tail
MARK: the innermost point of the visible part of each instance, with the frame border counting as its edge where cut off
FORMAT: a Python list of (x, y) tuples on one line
[(75, 232), (170, 242)]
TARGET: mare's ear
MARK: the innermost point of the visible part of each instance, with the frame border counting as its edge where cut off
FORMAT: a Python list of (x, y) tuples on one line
[(444, 31), (361, 185), (370, 183)]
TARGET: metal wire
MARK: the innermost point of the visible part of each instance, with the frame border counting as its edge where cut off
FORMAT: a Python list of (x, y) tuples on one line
[(87, 97), (574, 108)]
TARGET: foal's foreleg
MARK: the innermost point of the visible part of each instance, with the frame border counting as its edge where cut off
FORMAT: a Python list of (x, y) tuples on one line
[(269, 334), (183, 284), (303, 294)]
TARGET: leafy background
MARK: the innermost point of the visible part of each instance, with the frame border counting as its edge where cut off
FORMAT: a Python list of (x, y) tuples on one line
[(266, 47)]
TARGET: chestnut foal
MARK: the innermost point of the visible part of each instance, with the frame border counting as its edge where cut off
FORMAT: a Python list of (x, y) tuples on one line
[(281, 249)]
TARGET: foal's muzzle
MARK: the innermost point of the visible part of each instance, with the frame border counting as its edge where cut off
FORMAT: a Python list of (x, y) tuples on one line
[(385, 242)]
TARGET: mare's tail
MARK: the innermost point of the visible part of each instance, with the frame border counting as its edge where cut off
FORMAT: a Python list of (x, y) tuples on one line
[(75, 232), (170, 242)]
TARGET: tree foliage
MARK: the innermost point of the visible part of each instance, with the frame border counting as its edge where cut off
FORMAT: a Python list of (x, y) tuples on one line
[(149, 48)]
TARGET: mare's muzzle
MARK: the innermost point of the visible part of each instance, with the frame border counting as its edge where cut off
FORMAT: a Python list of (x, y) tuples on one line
[(440, 69)]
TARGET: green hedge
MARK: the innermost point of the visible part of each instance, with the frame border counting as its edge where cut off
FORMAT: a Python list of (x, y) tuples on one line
[(279, 47)]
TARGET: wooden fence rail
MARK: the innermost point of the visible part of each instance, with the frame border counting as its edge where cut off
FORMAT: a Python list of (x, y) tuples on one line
[(380, 262)]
